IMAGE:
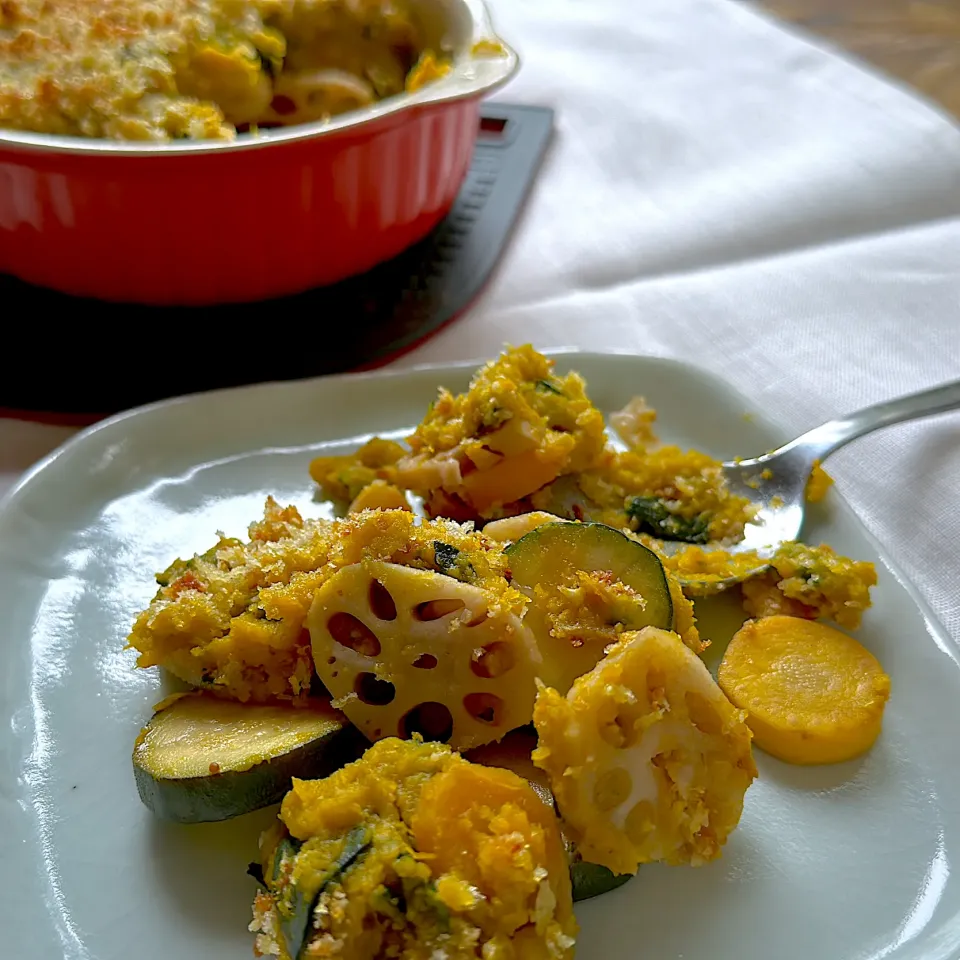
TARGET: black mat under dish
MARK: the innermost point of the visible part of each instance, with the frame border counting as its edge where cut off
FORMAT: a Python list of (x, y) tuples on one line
[(108, 357)]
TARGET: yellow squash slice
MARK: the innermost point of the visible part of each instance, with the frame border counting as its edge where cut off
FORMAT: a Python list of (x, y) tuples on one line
[(814, 695), (408, 651), (647, 758)]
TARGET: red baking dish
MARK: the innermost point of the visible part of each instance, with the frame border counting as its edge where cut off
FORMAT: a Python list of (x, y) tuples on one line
[(209, 222)]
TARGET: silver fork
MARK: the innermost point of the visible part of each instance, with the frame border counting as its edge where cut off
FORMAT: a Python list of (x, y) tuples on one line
[(777, 481)]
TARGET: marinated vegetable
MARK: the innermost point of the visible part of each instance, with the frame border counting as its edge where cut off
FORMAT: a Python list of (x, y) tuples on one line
[(414, 852), (514, 752), (587, 583), (408, 651), (813, 694), (522, 439), (814, 583), (659, 490), (512, 529), (518, 427), (204, 758), (647, 758), (233, 620), (343, 478), (800, 581)]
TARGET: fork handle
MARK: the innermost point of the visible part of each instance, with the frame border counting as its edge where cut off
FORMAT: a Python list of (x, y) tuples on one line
[(820, 442)]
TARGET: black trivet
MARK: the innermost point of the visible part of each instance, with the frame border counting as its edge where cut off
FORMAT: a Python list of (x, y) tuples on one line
[(108, 357)]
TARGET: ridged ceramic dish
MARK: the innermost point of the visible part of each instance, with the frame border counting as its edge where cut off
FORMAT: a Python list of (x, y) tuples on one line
[(214, 221)]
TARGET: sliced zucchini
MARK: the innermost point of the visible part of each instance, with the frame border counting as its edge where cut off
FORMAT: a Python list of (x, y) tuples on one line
[(555, 552), (588, 583), (202, 758), (513, 753)]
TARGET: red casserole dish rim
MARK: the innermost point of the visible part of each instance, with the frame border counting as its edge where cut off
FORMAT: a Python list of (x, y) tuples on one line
[(472, 75)]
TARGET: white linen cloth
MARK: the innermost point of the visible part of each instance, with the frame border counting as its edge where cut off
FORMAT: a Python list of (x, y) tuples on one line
[(723, 191)]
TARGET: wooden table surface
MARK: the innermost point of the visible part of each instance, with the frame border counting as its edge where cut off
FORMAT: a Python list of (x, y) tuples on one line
[(917, 41)]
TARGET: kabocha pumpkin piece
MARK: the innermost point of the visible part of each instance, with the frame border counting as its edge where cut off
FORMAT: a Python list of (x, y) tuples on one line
[(514, 752), (231, 619), (517, 428), (587, 584), (203, 758), (813, 583), (342, 478), (490, 830), (408, 651), (379, 495), (812, 694), (412, 851), (647, 758)]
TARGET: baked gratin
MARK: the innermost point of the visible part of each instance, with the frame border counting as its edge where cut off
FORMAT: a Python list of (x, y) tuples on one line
[(193, 69)]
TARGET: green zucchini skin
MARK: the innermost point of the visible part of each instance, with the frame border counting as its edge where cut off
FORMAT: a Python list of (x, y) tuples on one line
[(295, 921), (559, 549), (592, 880), (287, 849), (550, 559), (228, 794)]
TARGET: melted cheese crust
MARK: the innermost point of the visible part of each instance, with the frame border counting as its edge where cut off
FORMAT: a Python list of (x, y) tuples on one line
[(174, 69)]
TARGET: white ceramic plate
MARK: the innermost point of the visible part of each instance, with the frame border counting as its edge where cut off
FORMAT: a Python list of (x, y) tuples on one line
[(838, 863)]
